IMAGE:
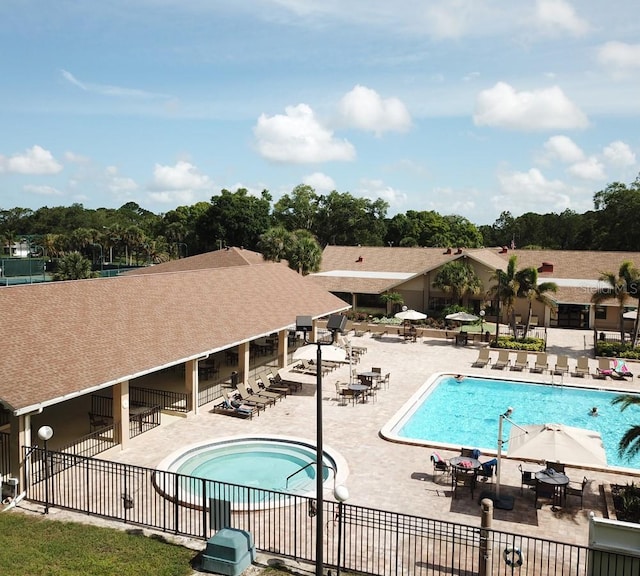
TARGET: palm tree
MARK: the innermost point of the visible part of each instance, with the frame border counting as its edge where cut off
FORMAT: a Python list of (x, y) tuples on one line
[(531, 290), (618, 287), (305, 254), (458, 279), (274, 243), (394, 298), (74, 266), (630, 442), (505, 291)]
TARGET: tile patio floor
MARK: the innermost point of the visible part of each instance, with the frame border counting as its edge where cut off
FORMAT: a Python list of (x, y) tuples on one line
[(389, 475)]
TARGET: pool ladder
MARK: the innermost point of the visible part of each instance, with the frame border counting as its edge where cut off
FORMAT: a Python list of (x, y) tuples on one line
[(304, 468)]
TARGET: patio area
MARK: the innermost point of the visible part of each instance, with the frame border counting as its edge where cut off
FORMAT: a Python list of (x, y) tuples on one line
[(393, 476)]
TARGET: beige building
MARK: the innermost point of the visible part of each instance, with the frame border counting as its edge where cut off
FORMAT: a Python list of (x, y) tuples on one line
[(359, 275)]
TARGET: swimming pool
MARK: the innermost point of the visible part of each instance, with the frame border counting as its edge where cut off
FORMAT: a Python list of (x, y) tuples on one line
[(465, 413), (241, 468)]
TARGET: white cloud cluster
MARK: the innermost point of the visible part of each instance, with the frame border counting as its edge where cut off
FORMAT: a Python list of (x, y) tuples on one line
[(592, 167), (35, 160), (619, 58), (528, 191), (560, 16), (119, 184), (365, 109), (546, 109), (298, 137), (41, 190), (320, 182), (182, 183), (374, 189)]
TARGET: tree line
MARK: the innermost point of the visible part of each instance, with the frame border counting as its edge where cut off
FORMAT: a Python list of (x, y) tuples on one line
[(304, 220)]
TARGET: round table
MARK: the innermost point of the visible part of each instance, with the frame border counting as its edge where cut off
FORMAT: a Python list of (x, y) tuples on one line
[(457, 461), (558, 480), (360, 390)]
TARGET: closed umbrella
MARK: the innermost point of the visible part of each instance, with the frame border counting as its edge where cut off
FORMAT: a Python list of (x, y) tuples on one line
[(462, 317), (410, 315), (557, 443)]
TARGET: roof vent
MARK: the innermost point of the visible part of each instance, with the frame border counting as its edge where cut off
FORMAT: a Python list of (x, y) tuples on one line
[(360, 259), (459, 251), (447, 251), (546, 267), (504, 250)]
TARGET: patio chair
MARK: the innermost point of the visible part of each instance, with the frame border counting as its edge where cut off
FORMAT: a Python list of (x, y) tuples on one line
[(582, 367), (439, 464), (562, 365), (577, 491), (527, 478), (253, 398), (545, 492), (541, 363), (97, 421), (522, 361), (503, 360), (463, 478), (343, 393), (487, 471), (483, 358), (557, 466)]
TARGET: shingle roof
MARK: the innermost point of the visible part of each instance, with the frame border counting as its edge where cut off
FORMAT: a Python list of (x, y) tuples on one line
[(217, 259), (63, 338)]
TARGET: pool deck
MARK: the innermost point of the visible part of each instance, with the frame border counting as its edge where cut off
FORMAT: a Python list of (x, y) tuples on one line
[(393, 476)]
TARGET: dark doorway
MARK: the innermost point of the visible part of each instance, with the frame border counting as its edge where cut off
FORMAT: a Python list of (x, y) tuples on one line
[(573, 316)]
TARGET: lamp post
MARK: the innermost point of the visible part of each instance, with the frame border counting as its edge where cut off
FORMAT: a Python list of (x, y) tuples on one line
[(341, 494), (482, 313), (503, 502), (45, 433), (335, 324), (101, 256)]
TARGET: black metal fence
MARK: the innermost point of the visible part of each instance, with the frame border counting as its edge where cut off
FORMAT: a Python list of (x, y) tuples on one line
[(363, 540)]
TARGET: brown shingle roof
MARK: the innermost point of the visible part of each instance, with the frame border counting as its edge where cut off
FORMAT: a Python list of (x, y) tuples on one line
[(70, 337), (217, 259)]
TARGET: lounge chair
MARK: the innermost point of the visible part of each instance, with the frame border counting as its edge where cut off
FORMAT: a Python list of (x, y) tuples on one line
[(253, 398), (582, 367), (483, 358), (541, 363), (254, 388), (522, 361), (280, 381), (229, 409), (622, 370), (562, 365), (503, 360), (235, 402), (604, 368), (266, 383)]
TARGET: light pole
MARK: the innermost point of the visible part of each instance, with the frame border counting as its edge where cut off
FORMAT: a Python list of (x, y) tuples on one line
[(341, 494), (335, 324), (503, 502), (45, 433), (482, 313)]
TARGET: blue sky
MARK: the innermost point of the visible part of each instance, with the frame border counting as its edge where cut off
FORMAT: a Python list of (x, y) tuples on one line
[(467, 108)]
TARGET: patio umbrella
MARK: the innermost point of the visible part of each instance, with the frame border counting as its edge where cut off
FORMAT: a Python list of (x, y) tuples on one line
[(630, 315), (410, 315), (329, 352), (462, 317), (557, 443)]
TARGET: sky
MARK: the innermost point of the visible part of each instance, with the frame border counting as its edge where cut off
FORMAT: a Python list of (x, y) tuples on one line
[(467, 108)]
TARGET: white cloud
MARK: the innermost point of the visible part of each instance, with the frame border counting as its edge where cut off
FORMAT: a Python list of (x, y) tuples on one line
[(363, 108), (374, 189), (564, 149), (319, 182), (119, 184), (109, 90), (531, 192), (35, 160), (619, 154), (298, 137), (42, 190), (588, 169), (560, 16), (182, 183), (619, 58), (545, 109), (75, 158)]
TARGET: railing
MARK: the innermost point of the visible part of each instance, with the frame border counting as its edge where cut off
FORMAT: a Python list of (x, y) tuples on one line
[(209, 392), (373, 542), (142, 417), (166, 399)]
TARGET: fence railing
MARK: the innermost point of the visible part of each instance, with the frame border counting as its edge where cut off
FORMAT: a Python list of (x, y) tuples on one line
[(375, 542)]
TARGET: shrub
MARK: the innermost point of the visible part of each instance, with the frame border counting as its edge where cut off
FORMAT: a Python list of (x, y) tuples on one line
[(619, 349), (627, 502), (509, 342)]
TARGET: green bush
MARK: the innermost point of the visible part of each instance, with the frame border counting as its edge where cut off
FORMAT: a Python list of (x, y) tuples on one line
[(509, 342), (618, 349)]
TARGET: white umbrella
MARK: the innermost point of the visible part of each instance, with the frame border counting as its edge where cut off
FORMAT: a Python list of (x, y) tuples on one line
[(410, 315), (557, 443), (329, 352), (462, 317), (631, 315)]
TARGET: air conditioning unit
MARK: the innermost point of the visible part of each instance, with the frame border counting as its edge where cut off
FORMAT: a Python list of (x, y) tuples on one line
[(9, 490)]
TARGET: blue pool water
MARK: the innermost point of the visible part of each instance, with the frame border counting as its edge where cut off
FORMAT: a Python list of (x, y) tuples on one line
[(466, 413)]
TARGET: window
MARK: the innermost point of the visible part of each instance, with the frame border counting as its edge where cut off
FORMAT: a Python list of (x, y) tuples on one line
[(601, 312)]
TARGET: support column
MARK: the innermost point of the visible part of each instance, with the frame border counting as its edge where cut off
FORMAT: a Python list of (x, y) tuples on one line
[(243, 361), (192, 384), (485, 547), (121, 413), (20, 430), (283, 347)]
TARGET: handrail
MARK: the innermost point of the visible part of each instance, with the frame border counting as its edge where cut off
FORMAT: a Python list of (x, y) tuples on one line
[(307, 466)]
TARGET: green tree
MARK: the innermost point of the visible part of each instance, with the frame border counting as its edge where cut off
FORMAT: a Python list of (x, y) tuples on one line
[(458, 279), (532, 290), (394, 298), (275, 243), (297, 211), (615, 205), (618, 287), (630, 441), (506, 290), (305, 254), (74, 266)]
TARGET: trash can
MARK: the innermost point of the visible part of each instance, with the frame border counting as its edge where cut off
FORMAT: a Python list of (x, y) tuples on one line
[(234, 378)]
